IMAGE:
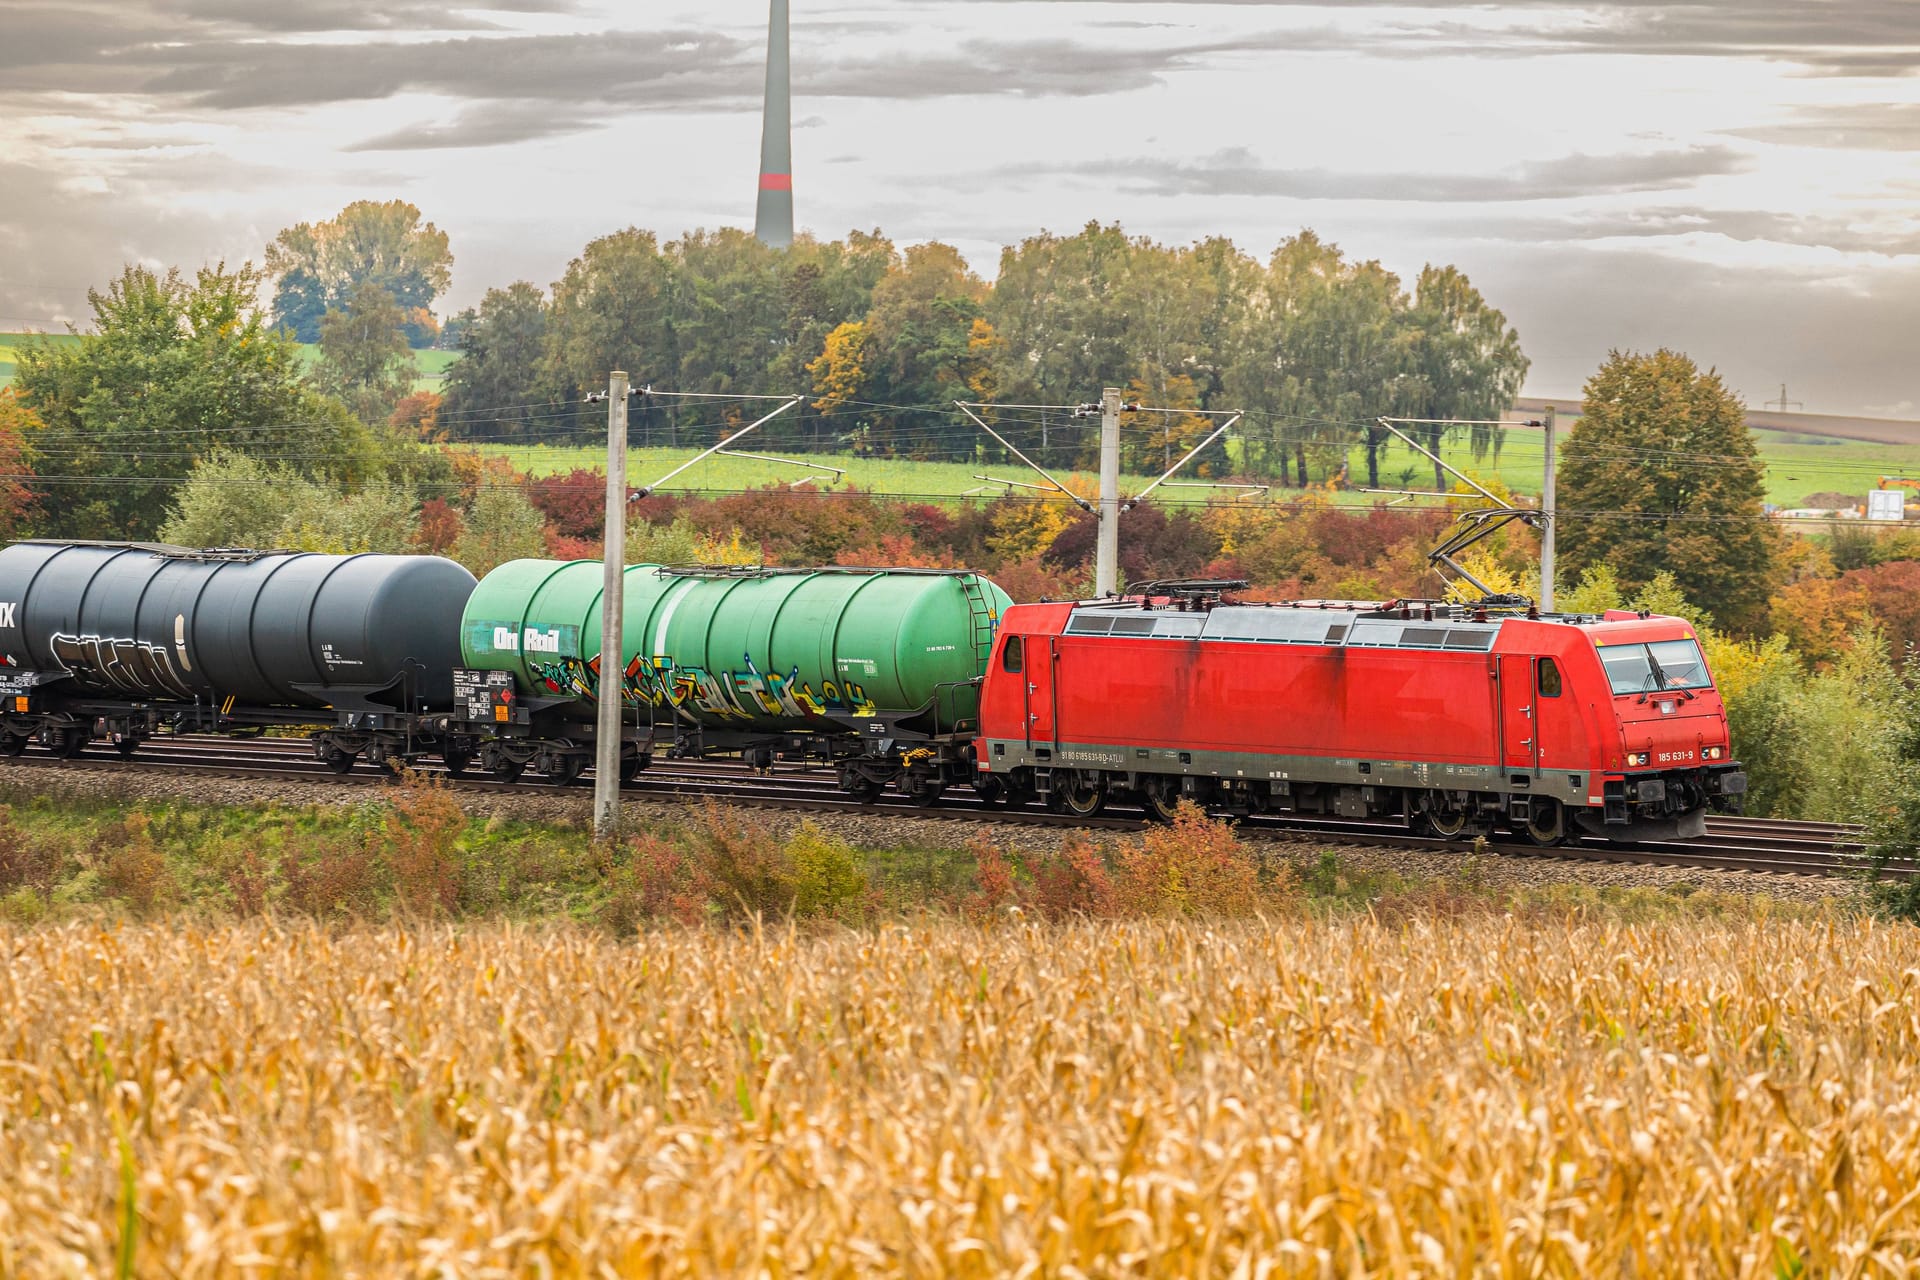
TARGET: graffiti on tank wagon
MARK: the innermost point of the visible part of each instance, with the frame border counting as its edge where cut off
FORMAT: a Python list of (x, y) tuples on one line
[(130, 666), (727, 695)]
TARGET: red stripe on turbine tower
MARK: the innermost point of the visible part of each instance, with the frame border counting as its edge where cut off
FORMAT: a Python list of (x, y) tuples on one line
[(776, 182)]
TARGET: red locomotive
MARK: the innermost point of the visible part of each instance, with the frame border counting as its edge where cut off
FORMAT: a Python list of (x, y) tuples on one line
[(1453, 719)]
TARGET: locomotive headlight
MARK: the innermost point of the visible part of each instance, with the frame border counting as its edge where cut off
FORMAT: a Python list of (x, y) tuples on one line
[(1714, 753), (1636, 759)]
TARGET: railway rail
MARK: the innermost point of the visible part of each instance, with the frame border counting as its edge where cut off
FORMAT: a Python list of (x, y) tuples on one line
[(1731, 843)]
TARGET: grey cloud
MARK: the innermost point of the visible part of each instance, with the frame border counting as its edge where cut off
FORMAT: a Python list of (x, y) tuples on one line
[(1839, 37), (1874, 127), (1843, 343), (485, 126), (1236, 172), (1746, 225), (77, 241), (584, 74)]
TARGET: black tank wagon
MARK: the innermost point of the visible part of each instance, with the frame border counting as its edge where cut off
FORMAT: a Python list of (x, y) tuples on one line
[(125, 640)]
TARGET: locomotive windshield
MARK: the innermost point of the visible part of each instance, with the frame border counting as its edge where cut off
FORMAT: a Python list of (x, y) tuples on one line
[(1664, 664)]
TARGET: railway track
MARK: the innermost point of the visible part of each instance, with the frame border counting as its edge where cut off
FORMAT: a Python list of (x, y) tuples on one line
[(1731, 843)]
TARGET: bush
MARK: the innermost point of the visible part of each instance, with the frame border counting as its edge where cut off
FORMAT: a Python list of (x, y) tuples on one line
[(748, 869), (827, 876), (131, 866), (996, 883), (422, 831), (1074, 882), (1193, 866), (24, 862), (334, 877), (657, 882)]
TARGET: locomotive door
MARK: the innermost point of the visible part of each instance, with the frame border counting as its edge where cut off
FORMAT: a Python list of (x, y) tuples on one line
[(1042, 699), (1519, 714)]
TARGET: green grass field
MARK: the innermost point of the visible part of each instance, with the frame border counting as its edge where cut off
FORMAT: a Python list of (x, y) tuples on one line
[(1796, 469)]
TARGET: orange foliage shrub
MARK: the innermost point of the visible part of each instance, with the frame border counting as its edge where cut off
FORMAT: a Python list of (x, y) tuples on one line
[(421, 836), (1193, 866)]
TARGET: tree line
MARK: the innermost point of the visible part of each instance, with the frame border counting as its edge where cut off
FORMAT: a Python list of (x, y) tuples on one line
[(882, 339)]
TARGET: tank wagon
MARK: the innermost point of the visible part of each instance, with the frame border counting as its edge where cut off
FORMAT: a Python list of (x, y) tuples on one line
[(124, 640), (875, 671), (1455, 720)]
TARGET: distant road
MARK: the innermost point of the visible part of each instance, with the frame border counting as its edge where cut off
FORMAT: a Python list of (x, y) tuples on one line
[(1873, 430)]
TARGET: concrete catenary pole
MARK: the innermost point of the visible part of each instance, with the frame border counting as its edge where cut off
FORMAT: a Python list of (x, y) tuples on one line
[(606, 742), (773, 219), (1547, 509), (1106, 571)]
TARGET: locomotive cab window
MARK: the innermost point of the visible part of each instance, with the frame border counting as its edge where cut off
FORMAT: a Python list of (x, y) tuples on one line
[(1648, 668), (1549, 678), (1013, 654)]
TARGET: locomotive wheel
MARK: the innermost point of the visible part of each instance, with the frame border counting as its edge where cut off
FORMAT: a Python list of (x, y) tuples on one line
[(1079, 797), (1161, 800), (339, 761), (71, 742), (992, 791), (12, 744), (1548, 825), (457, 762), (1449, 823)]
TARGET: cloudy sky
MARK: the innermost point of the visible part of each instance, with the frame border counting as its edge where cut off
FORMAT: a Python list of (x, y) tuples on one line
[(1738, 178)]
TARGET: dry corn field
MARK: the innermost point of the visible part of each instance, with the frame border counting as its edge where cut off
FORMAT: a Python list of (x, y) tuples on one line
[(1490, 1097)]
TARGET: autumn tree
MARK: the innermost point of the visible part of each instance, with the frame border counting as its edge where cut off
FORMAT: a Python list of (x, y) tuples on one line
[(364, 357), (923, 345), (17, 501), (1462, 361), (317, 267), (500, 525), (495, 388), (611, 310), (172, 370), (1661, 472)]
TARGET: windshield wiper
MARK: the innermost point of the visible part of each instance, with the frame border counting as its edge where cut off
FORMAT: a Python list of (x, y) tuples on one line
[(1666, 686)]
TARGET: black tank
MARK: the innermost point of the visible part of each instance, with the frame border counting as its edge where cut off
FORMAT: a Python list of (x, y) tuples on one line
[(146, 621)]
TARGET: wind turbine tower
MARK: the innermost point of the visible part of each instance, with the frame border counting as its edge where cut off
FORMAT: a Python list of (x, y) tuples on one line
[(773, 220)]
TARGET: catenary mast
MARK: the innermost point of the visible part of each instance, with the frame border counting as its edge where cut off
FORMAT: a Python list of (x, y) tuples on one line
[(773, 220)]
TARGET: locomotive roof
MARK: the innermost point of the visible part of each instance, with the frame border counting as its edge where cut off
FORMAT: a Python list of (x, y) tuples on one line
[(1352, 624)]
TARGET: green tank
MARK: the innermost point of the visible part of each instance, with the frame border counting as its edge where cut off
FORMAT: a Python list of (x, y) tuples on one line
[(743, 649)]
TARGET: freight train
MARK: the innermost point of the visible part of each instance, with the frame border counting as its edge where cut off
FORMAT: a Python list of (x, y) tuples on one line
[(1455, 720)]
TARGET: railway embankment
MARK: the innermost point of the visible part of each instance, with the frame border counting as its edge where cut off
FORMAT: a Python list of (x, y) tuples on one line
[(523, 850)]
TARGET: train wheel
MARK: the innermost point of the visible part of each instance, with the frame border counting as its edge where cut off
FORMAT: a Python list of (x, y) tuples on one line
[(630, 766), (1548, 825), (508, 770), (339, 761), (12, 744), (923, 792), (992, 791), (1162, 800), (1076, 795), (71, 742), (457, 762), (561, 770), (1443, 818)]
